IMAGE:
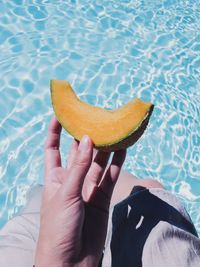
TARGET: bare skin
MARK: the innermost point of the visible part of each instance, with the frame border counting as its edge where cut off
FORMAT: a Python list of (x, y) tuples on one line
[(126, 182), (75, 203)]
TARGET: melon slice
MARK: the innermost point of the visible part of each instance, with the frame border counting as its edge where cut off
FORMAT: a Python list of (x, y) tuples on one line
[(110, 130)]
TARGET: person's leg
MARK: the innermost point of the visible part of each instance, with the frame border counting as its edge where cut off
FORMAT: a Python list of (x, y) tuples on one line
[(144, 217), (125, 184), (18, 237)]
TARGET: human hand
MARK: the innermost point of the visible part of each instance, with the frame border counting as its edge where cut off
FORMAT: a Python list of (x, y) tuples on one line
[(75, 203)]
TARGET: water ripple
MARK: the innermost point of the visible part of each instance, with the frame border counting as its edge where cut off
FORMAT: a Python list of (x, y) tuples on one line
[(110, 51)]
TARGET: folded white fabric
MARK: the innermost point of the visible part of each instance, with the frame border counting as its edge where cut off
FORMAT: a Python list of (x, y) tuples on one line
[(166, 244), (18, 237)]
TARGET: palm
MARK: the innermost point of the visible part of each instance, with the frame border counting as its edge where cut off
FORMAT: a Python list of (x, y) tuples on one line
[(87, 209), (92, 196)]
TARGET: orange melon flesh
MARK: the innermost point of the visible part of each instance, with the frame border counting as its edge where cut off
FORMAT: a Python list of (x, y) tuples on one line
[(109, 129)]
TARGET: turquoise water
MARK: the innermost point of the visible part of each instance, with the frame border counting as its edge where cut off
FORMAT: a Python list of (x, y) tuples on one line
[(111, 52)]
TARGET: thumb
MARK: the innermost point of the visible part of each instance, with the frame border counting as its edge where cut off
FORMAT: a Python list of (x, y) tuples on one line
[(72, 186)]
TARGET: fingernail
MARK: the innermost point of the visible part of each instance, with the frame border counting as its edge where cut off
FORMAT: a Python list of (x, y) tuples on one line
[(84, 144)]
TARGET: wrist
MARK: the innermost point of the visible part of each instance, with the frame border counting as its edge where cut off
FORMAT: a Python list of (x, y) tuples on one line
[(47, 260), (50, 263)]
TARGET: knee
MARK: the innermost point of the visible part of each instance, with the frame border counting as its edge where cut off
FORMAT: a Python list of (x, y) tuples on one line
[(125, 184), (150, 183)]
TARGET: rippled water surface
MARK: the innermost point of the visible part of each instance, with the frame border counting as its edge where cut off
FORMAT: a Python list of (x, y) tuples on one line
[(110, 51)]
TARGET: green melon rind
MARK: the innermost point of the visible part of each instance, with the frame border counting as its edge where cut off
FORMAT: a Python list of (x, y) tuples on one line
[(122, 143), (131, 139)]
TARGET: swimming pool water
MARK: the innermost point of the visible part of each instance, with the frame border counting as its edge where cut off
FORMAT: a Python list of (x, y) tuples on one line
[(110, 51)]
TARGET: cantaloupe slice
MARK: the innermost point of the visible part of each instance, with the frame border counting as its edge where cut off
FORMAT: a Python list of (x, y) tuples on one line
[(109, 130)]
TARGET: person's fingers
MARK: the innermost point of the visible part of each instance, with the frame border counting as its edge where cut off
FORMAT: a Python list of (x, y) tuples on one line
[(95, 151), (52, 144), (72, 153), (95, 172), (112, 173), (72, 186)]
